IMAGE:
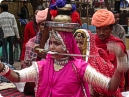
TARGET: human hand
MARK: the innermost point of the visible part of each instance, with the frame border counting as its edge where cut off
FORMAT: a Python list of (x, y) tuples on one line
[(41, 54), (122, 63), (18, 39), (115, 48), (1, 66)]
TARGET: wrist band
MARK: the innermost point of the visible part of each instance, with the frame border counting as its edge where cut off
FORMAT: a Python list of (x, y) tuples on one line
[(8, 73)]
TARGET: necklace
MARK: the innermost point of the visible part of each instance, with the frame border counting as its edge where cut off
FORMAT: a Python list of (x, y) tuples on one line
[(60, 63)]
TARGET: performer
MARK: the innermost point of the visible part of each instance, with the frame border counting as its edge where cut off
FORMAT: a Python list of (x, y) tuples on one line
[(118, 30), (61, 74), (86, 42), (104, 20)]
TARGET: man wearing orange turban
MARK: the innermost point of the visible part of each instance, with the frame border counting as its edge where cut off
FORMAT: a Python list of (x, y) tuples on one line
[(104, 20)]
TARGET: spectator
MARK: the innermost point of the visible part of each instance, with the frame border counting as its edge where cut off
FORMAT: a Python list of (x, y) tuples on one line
[(10, 29), (104, 20), (21, 22), (30, 54), (30, 31), (24, 10), (86, 43), (118, 31)]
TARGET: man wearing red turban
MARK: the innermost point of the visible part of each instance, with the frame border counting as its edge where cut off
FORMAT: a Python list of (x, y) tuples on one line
[(104, 20)]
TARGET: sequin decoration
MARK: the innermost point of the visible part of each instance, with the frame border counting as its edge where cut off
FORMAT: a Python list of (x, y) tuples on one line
[(60, 63)]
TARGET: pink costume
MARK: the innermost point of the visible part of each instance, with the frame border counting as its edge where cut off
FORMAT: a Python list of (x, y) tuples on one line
[(64, 83), (67, 81), (69, 84)]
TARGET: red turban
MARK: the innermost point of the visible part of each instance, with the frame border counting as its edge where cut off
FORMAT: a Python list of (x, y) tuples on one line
[(103, 18)]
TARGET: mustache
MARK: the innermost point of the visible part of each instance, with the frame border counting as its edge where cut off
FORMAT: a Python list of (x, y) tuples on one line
[(101, 34)]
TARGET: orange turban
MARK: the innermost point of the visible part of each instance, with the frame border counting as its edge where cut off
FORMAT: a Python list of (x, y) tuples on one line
[(103, 18)]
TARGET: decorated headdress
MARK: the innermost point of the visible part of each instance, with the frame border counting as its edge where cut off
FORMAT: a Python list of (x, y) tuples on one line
[(64, 16), (65, 19), (82, 34)]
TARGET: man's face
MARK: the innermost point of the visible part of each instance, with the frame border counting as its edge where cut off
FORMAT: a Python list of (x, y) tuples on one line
[(103, 32), (116, 18)]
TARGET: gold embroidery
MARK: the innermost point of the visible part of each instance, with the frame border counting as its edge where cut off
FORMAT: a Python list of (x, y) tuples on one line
[(58, 67)]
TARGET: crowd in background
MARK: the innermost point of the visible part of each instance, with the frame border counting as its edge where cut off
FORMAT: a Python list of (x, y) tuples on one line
[(23, 34)]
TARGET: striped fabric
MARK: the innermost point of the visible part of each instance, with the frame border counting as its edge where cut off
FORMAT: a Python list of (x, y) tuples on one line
[(13, 93)]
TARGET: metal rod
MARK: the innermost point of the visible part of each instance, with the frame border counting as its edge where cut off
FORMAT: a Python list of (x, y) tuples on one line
[(66, 54), (77, 55)]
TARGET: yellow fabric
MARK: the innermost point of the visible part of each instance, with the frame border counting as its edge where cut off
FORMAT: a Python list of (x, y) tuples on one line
[(85, 41), (127, 43)]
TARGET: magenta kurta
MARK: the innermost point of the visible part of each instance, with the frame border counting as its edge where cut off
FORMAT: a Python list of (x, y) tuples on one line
[(64, 83)]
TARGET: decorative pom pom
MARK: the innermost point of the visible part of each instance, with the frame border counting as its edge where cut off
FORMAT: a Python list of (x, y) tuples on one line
[(73, 7), (53, 6), (53, 12), (75, 17), (60, 3)]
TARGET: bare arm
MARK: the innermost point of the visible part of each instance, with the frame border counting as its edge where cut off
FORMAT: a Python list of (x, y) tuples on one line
[(122, 66), (97, 79), (115, 81)]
